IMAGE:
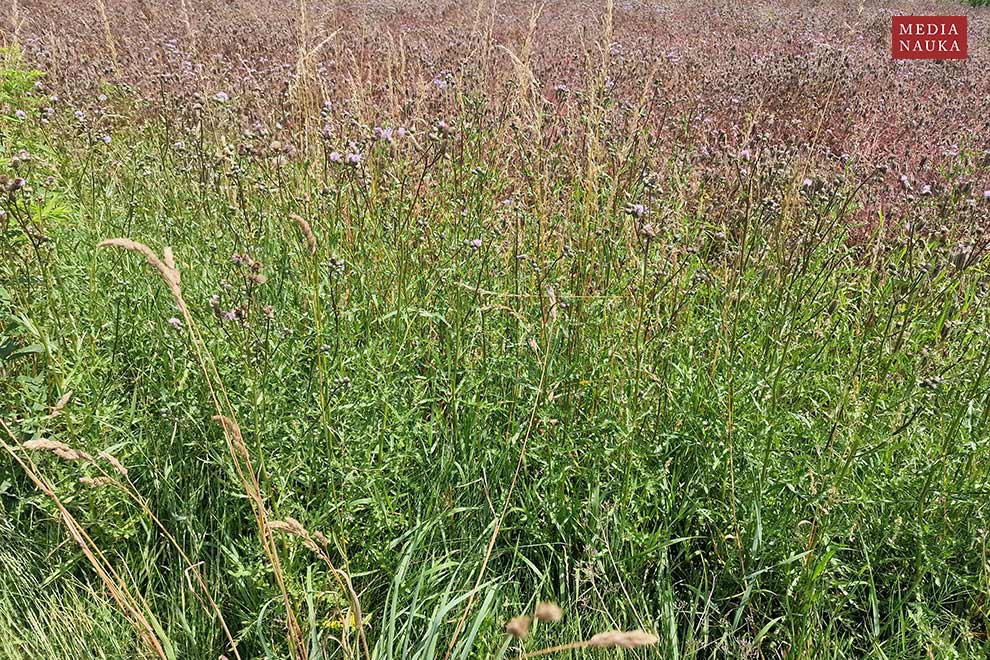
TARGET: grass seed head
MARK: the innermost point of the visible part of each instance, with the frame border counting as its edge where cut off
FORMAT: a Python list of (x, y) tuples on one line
[(518, 626), (629, 639), (547, 611), (60, 449)]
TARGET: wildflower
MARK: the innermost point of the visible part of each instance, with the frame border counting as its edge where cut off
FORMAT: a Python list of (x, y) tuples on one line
[(336, 265), (106, 139), (268, 311), (986, 196), (78, 114), (20, 114), (807, 183), (637, 210), (474, 243), (214, 301), (229, 315), (401, 132), (175, 323), (221, 97), (335, 157), (354, 159), (383, 134), (102, 98), (745, 155), (926, 191)]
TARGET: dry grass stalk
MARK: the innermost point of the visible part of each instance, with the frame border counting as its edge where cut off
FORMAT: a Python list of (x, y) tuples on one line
[(133, 607), (79, 535), (293, 527), (107, 33), (233, 430), (166, 268), (169, 272), (307, 232)]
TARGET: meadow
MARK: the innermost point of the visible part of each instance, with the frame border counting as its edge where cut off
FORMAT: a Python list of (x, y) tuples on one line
[(492, 330)]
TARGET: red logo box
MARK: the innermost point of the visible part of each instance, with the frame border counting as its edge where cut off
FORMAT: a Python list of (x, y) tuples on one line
[(928, 37)]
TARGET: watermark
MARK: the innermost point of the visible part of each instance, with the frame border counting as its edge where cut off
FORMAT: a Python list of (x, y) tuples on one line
[(928, 38)]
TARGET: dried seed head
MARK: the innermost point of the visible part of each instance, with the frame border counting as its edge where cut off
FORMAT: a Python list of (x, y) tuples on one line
[(289, 526), (307, 232), (96, 482), (630, 639), (166, 268), (60, 404), (546, 611), (518, 626), (60, 449), (112, 460)]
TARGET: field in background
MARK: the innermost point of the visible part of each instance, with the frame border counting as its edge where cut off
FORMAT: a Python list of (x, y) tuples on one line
[(413, 318)]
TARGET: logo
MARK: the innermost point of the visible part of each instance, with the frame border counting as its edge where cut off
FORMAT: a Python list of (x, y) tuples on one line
[(928, 37)]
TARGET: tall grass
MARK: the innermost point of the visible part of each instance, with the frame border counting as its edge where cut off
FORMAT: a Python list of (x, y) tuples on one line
[(497, 362)]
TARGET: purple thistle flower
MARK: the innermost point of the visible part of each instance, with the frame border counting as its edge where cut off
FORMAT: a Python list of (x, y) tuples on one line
[(175, 323), (637, 210), (354, 159), (20, 114), (230, 315), (335, 157)]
